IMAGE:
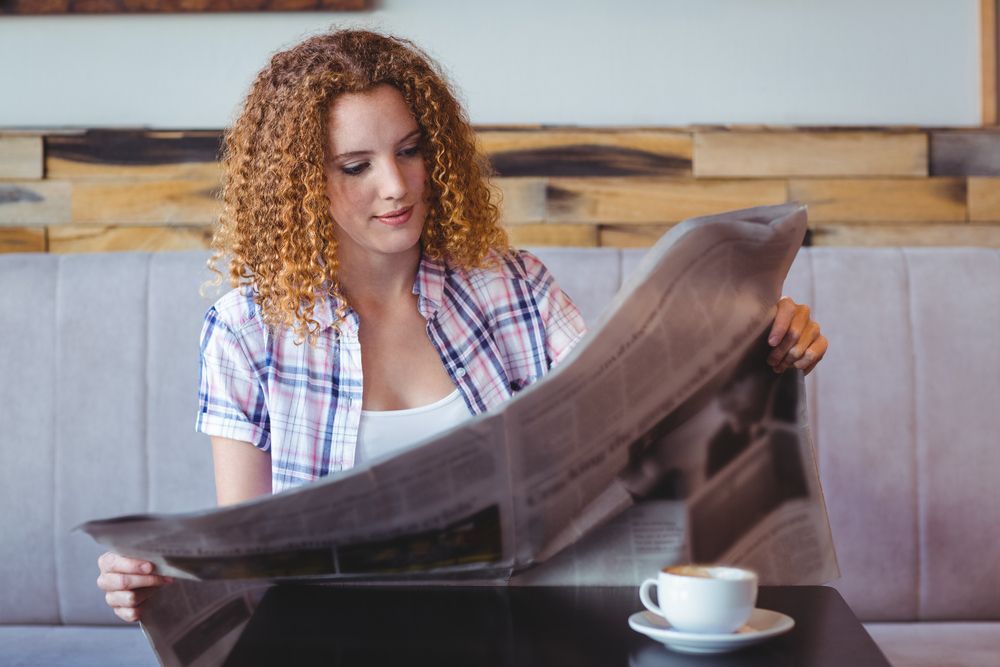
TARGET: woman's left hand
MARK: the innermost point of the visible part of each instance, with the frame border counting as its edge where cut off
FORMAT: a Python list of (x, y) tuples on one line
[(795, 338)]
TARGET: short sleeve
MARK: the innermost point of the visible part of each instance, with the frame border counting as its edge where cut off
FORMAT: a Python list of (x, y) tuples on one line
[(564, 325), (231, 400)]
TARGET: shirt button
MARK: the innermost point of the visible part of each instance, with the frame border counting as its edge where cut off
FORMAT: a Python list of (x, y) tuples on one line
[(460, 371)]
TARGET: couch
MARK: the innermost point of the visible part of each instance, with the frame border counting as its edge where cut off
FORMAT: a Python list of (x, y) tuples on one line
[(97, 404)]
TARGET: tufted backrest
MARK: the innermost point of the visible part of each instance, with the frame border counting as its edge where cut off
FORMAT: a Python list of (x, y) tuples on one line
[(99, 360), (907, 426)]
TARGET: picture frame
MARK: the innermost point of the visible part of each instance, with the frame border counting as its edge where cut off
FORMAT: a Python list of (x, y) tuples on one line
[(39, 7)]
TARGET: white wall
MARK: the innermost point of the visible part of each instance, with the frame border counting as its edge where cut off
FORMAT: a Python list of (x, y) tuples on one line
[(592, 62)]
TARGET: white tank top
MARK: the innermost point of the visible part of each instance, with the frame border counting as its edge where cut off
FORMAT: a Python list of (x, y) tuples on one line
[(383, 432)]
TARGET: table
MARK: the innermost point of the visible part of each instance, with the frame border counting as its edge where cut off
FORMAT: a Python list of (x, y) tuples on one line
[(508, 626)]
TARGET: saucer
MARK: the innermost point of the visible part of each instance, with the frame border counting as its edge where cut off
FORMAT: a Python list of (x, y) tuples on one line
[(762, 624)]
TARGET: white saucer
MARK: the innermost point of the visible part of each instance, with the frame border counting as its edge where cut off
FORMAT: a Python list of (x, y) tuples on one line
[(762, 624)]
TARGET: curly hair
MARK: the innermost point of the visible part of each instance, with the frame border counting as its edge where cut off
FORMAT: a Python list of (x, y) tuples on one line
[(276, 226)]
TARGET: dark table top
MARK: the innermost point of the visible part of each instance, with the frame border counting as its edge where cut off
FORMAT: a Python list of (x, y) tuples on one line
[(319, 625)]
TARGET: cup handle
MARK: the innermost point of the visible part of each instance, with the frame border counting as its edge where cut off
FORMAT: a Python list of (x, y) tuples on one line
[(644, 596)]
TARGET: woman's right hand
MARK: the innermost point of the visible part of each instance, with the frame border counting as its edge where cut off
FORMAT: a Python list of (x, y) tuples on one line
[(127, 582)]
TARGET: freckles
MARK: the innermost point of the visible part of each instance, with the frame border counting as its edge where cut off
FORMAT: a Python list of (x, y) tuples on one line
[(419, 181), (344, 194)]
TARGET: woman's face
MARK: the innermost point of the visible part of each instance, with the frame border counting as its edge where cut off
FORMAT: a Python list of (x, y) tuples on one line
[(376, 175)]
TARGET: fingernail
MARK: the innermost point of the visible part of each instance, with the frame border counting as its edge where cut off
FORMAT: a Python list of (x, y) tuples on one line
[(146, 567), (773, 340)]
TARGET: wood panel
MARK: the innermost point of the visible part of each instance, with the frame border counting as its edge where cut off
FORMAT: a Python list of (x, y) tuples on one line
[(965, 234), (21, 157), (965, 153), (127, 189), (70, 170), (984, 199), (882, 200), (806, 153), (647, 200), (588, 152), (171, 6), (630, 236), (553, 234), (989, 59), (35, 202), (22, 239), (523, 200), (145, 202), (74, 238), (126, 155)]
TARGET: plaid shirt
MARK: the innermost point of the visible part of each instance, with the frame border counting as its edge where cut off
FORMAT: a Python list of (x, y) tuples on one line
[(496, 330)]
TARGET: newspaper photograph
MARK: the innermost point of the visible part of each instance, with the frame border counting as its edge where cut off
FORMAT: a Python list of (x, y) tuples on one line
[(663, 437)]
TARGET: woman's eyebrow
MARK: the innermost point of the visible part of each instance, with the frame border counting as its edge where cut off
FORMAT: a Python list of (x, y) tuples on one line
[(350, 154)]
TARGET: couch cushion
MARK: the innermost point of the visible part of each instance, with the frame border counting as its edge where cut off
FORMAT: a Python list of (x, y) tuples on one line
[(930, 644), (102, 387), (908, 393), (74, 646), (180, 460), (864, 435), (955, 313), (591, 288), (27, 434), (100, 445)]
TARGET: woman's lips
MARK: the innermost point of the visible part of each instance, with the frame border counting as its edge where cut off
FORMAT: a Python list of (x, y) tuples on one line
[(396, 218)]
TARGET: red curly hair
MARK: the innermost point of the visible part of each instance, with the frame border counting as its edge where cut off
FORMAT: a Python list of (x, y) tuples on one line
[(276, 226)]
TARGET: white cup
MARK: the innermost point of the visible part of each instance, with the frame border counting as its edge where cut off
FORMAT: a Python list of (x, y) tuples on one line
[(702, 598)]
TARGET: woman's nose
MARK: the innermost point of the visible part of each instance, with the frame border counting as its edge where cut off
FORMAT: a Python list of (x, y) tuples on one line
[(392, 183)]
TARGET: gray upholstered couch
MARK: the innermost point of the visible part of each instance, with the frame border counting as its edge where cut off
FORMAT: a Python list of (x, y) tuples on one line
[(98, 360)]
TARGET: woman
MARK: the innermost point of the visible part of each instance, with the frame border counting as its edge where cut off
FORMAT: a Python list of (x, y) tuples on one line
[(378, 301)]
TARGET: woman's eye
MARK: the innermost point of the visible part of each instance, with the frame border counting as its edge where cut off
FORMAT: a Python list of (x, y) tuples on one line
[(410, 151), (354, 169)]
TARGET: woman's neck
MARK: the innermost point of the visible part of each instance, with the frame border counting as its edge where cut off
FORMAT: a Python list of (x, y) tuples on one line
[(370, 280)]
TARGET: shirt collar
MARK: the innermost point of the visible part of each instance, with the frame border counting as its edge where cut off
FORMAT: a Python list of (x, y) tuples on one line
[(323, 311), (428, 286)]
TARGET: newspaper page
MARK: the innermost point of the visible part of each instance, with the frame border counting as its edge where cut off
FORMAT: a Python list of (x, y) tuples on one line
[(663, 437), (197, 623), (672, 411), (734, 482), (439, 508)]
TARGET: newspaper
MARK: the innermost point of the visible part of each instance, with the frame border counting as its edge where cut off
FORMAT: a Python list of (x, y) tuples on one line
[(663, 437)]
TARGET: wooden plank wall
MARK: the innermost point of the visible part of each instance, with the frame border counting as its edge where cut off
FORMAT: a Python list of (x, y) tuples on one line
[(989, 59), (108, 190)]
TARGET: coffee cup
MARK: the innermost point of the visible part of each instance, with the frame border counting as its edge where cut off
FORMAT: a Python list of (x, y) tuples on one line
[(702, 598)]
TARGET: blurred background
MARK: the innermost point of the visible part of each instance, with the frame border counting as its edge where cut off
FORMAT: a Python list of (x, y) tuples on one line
[(607, 122)]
